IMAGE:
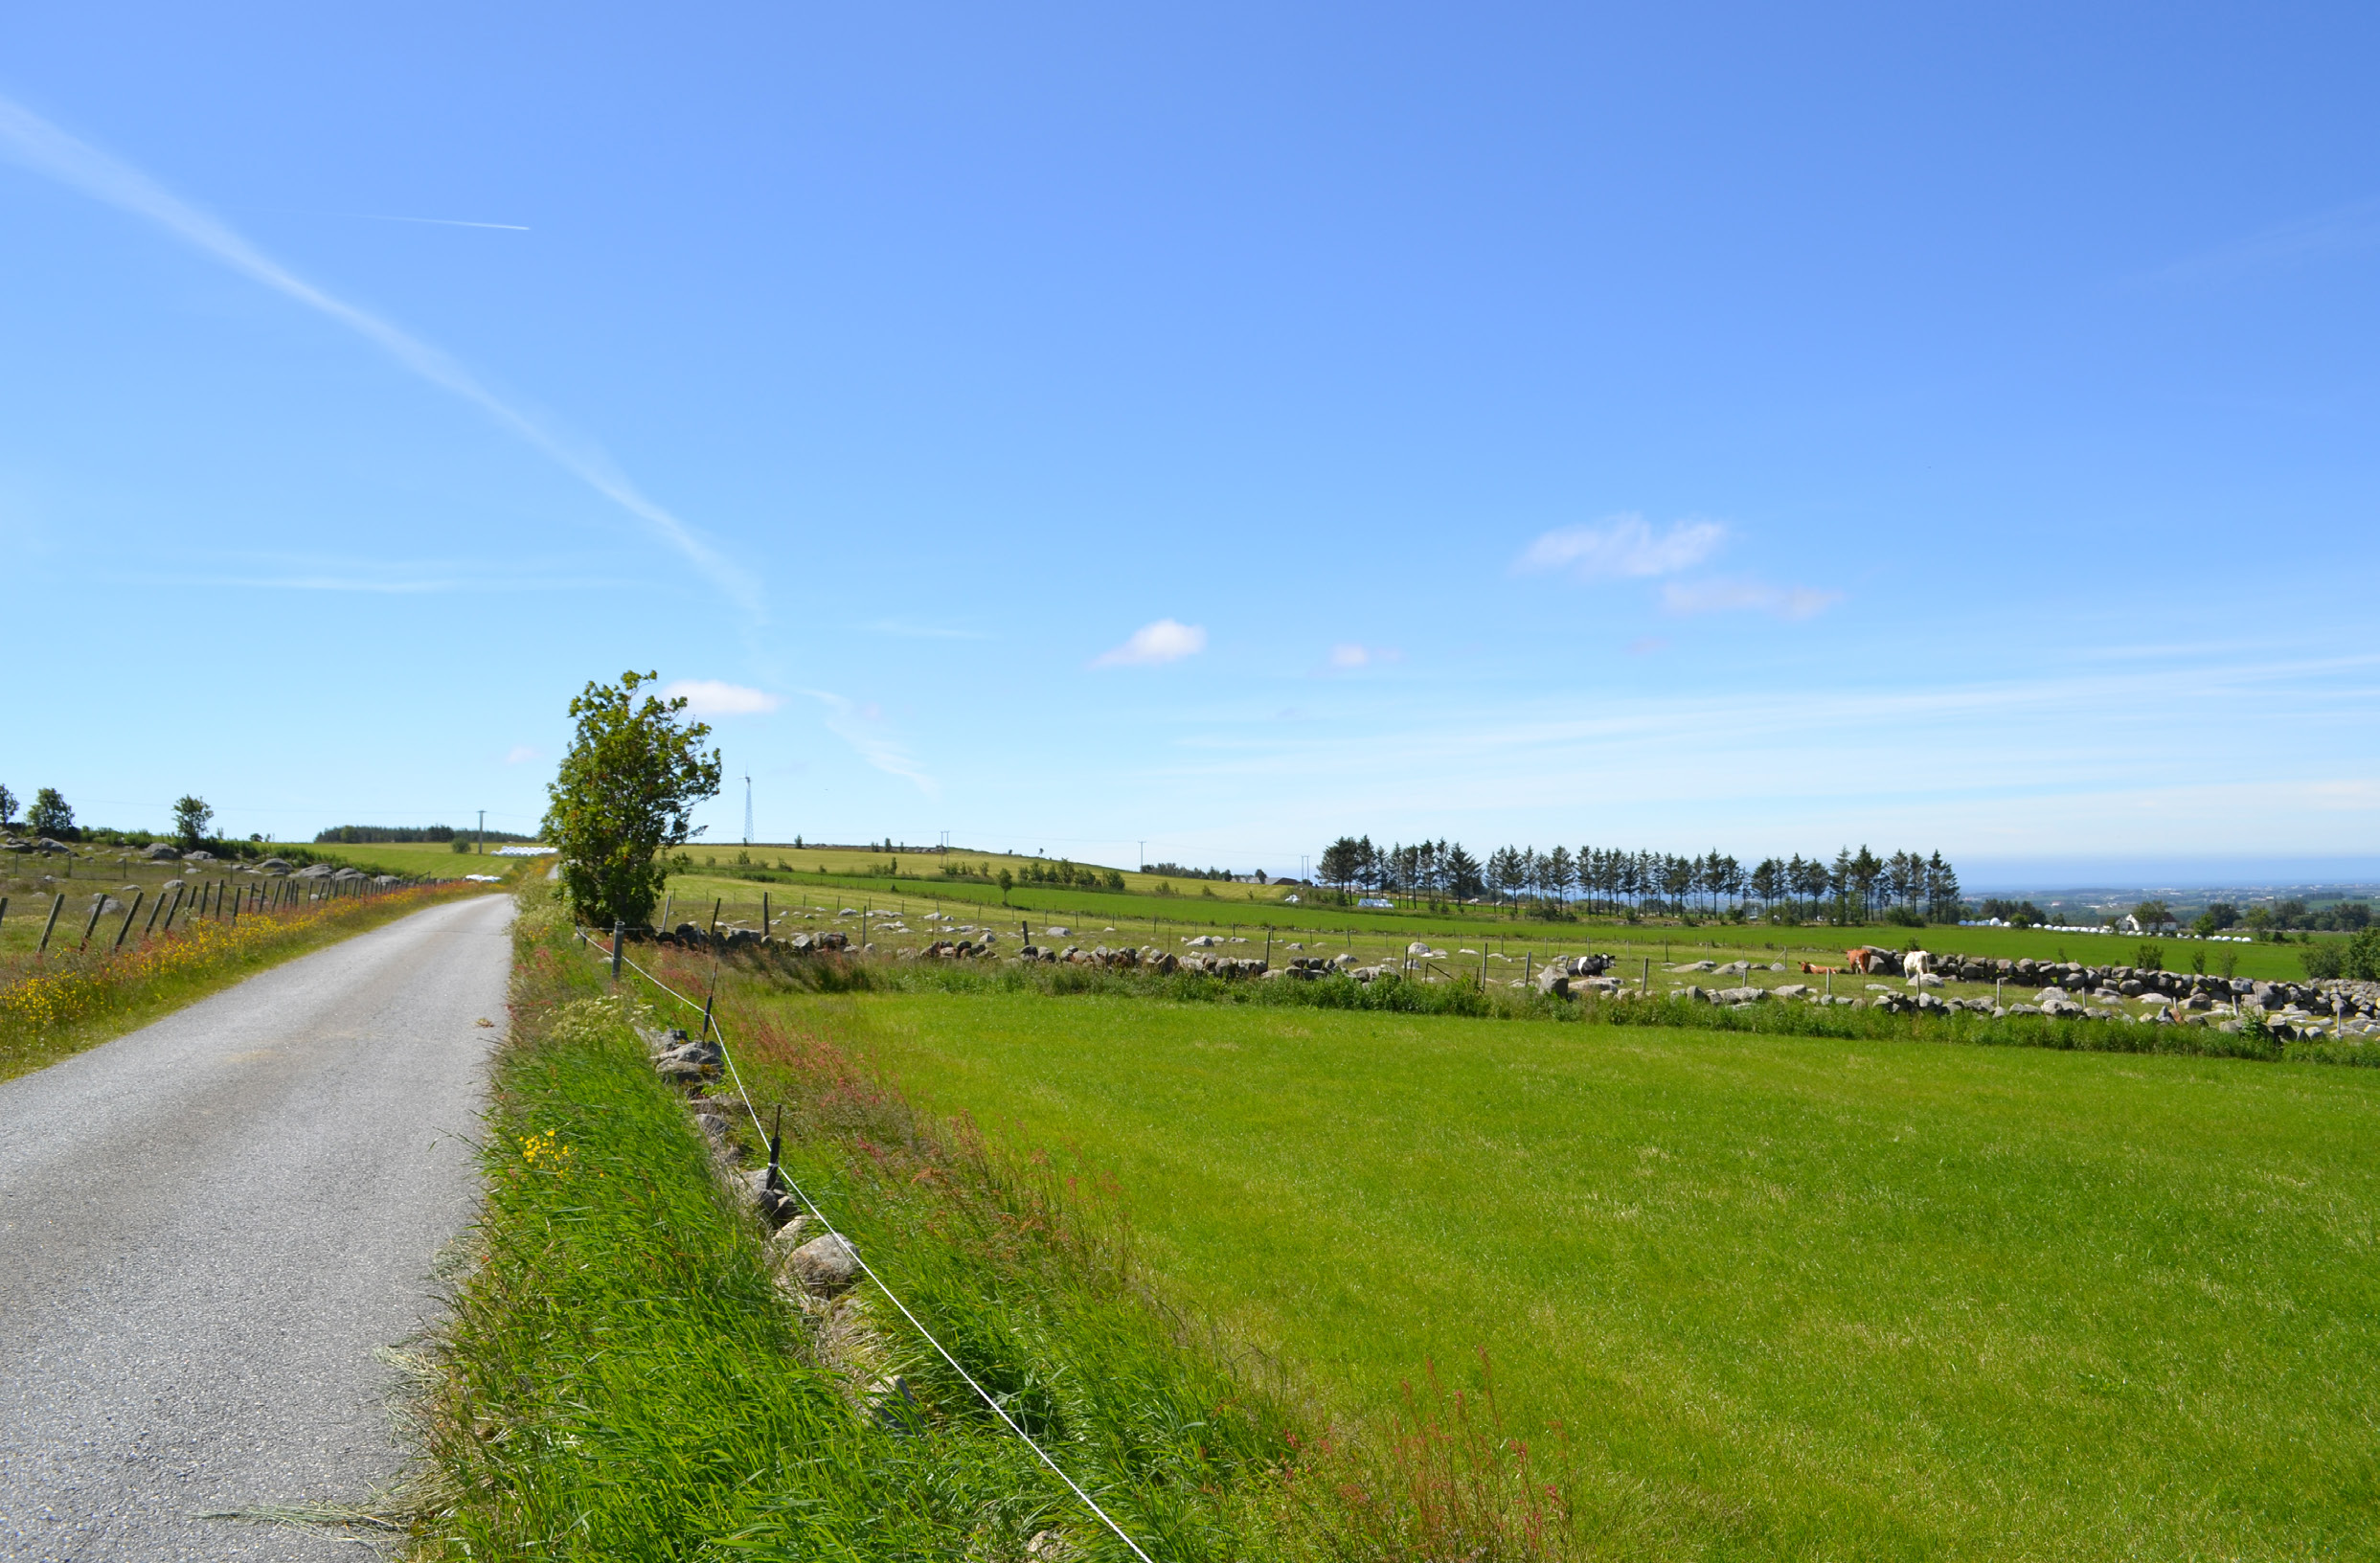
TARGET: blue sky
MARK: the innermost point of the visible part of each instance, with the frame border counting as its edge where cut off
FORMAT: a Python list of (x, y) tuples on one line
[(1068, 427)]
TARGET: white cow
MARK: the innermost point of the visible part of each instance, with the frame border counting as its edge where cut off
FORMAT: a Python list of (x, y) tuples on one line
[(1916, 963)]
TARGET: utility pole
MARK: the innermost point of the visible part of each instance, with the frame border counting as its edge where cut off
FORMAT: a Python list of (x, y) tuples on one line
[(747, 811), (483, 832)]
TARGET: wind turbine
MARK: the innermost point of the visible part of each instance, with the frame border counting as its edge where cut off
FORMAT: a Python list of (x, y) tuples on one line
[(747, 811)]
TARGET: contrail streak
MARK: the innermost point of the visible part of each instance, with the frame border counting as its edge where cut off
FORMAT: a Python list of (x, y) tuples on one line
[(447, 222), (45, 149)]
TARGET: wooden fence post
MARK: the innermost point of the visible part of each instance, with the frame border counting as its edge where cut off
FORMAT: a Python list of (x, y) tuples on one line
[(55, 907), (99, 904), (138, 896)]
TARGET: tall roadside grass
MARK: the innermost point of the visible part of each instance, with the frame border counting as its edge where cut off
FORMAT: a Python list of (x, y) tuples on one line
[(622, 1379), (832, 973), (54, 1006)]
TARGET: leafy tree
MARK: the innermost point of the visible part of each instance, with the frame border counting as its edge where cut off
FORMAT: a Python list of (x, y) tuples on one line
[(2152, 914), (1008, 882), (1463, 879), (1504, 872), (1941, 896), (624, 793), (7, 806), (1767, 881), (1677, 879), (50, 816), (1342, 861), (190, 818)]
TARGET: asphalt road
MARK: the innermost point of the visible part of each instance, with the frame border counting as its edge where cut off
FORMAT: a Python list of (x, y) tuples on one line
[(207, 1229)]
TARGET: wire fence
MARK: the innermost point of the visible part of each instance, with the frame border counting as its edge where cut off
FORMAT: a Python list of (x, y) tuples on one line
[(618, 958)]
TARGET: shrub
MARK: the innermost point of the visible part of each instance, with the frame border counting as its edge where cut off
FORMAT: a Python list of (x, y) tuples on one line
[(2361, 958), (625, 795)]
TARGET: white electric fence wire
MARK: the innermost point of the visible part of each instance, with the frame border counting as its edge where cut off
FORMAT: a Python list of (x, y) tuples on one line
[(852, 1249)]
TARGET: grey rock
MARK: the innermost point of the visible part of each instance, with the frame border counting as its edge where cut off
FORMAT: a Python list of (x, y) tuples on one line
[(823, 1266), (159, 851), (788, 1237)]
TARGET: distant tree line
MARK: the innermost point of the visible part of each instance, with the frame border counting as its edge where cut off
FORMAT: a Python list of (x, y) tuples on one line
[(362, 835), (1852, 887), (1175, 871), (1070, 875)]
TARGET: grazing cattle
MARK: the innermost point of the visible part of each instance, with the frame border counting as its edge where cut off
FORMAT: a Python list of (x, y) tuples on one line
[(1871, 961), (1918, 964)]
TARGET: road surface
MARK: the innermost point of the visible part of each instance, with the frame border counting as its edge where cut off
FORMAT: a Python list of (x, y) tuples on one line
[(209, 1226)]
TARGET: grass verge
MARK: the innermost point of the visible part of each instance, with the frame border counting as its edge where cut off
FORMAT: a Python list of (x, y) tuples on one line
[(70, 1001), (622, 1379)]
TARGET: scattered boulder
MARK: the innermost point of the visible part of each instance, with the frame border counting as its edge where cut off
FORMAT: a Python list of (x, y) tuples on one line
[(691, 1062), (788, 1237), (824, 1266), (160, 851)]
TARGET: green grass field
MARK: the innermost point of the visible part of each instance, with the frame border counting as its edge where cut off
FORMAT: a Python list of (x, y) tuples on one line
[(1509, 943), (1782, 1295)]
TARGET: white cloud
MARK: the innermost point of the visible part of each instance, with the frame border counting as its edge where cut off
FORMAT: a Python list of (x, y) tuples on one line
[(2340, 230), (912, 629), (1623, 546), (520, 754), (860, 727), (1349, 655), (1793, 603), (1153, 645), (45, 149), (713, 697)]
